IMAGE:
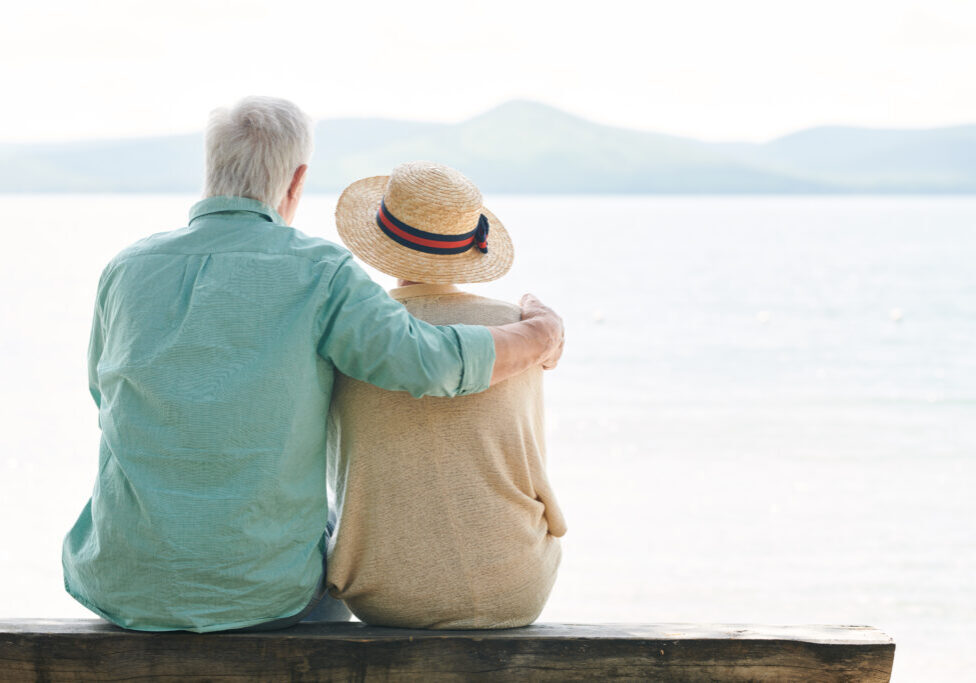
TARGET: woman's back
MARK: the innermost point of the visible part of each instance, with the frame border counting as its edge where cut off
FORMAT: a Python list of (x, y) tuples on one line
[(446, 517)]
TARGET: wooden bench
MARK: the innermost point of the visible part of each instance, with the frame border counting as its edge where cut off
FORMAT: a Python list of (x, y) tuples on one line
[(91, 650)]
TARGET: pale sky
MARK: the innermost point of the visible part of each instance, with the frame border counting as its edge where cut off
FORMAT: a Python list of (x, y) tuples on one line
[(712, 69)]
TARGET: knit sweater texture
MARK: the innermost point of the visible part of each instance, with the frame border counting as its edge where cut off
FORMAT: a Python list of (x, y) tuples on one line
[(446, 516)]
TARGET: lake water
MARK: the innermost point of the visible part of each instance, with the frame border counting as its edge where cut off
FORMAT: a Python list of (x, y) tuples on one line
[(765, 411)]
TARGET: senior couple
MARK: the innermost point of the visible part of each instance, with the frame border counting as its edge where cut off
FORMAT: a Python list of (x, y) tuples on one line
[(239, 366)]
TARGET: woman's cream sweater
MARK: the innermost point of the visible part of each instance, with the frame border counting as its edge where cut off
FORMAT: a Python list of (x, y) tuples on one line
[(446, 517)]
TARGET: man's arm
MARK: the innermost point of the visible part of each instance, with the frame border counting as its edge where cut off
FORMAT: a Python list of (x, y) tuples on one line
[(370, 337)]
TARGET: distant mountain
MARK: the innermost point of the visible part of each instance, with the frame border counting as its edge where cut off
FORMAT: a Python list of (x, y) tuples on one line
[(529, 147), (936, 160)]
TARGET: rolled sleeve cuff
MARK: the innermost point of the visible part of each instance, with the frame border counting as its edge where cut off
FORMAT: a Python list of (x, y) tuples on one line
[(477, 356)]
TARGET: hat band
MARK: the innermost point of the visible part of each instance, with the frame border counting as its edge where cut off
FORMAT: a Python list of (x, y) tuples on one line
[(431, 242)]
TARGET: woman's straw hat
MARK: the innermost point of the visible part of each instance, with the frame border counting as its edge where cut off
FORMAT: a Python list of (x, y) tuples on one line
[(425, 223)]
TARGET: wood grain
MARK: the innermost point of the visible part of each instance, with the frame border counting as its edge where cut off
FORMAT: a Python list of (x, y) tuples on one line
[(91, 650)]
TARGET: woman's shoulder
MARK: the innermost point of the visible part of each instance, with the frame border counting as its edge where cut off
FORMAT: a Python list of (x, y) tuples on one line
[(463, 308)]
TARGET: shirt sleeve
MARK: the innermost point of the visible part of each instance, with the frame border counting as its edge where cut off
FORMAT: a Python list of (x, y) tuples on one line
[(370, 337)]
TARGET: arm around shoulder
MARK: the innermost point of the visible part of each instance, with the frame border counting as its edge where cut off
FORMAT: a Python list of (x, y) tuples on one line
[(372, 338)]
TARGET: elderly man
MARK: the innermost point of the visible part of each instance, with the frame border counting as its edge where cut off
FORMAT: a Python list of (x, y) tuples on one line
[(212, 359)]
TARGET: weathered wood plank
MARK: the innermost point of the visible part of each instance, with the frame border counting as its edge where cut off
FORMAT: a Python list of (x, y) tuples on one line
[(46, 650)]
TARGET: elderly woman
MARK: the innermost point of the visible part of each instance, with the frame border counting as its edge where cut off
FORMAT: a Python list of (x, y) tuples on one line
[(212, 359), (446, 517)]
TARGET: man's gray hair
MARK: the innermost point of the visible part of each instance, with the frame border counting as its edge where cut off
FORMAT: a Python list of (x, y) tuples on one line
[(254, 148)]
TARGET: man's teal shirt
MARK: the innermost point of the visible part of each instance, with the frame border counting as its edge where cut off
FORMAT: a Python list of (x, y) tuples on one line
[(212, 356)]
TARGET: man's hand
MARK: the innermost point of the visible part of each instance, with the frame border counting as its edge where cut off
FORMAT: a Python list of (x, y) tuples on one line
[(537, 339), (532, 308)]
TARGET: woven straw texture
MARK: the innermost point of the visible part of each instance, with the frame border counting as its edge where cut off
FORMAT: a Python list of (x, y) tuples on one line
[(430, 197)]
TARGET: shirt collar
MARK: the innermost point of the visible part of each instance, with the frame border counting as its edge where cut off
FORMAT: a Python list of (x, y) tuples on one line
[(225, 204), (401, 293)]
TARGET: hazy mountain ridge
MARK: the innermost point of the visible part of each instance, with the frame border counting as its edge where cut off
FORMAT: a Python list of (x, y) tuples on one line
[(529, 147)]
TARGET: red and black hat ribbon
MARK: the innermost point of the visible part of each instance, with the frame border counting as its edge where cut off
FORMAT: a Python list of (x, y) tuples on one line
[(432, 242)]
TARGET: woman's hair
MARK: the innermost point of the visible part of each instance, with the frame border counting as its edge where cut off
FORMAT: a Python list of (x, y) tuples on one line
[(254, 148)]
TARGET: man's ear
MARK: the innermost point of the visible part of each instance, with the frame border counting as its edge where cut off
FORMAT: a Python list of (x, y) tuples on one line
[(297, 181)]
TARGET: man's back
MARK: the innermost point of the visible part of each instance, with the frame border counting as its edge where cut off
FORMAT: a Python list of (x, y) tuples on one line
[(446, 517), (209, 393), (211, 361)]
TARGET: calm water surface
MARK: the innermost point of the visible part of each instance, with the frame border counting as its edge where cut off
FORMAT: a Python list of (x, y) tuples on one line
[(765, 412)]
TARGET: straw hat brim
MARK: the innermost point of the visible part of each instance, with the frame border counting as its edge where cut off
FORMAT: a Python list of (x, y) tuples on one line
[(356, 223)]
